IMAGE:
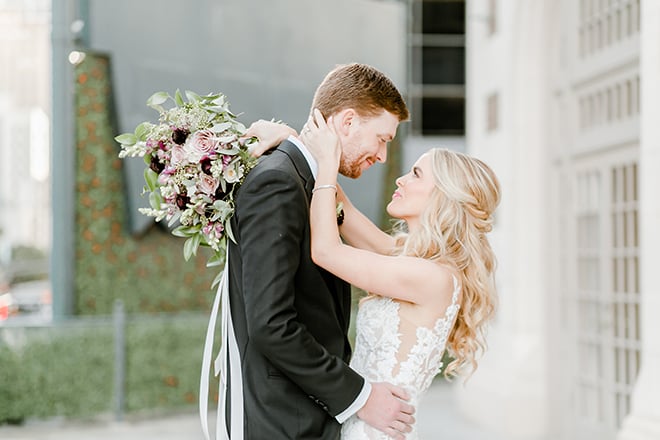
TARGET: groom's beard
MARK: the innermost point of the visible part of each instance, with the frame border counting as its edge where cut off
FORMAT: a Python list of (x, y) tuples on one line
[(353, 164), (350, 169)]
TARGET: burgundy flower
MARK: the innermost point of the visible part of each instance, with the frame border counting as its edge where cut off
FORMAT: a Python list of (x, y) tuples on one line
[(179, 135), (206, 166), (156, 165), (340, 217), (219, 194), (182, 201)]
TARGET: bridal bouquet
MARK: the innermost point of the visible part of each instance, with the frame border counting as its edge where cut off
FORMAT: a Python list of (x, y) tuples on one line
[(194, 163)]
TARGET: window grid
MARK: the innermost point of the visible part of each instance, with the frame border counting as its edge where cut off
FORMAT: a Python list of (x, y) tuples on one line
[(610, 104), (608, 293), (625, 283), (436, 86), (603, 24), (590, 343)]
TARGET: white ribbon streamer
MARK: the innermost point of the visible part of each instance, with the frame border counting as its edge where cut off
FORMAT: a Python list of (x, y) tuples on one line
[(229, 354)]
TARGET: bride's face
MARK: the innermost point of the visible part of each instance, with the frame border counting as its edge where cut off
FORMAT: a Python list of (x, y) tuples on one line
[(413, 192)]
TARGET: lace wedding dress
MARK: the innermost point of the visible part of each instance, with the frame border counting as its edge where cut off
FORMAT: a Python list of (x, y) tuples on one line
[(390, 348)]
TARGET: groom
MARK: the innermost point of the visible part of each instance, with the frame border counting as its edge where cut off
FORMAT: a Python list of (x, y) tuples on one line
[(291, 317)]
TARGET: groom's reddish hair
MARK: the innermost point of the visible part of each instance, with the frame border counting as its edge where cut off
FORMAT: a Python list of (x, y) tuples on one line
[(362, 88)]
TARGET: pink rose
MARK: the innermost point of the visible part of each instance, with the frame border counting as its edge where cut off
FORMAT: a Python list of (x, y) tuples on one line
[(178, 155), (207, 184), (201, 144)]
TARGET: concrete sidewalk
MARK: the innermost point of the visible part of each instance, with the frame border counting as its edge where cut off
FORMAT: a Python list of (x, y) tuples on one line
[(438, 418)]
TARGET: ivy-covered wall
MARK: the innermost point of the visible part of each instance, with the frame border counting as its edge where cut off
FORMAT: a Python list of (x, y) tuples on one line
[(148, 273), (68, 369)]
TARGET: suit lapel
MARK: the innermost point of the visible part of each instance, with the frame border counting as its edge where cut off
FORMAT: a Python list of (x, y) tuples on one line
[(299, 161), (341, 297)]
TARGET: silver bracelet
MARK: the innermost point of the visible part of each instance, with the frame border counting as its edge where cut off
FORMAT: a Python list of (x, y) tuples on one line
[(324, 187)]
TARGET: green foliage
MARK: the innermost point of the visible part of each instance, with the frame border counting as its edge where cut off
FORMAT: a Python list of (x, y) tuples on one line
[(146, 271), (26, 253), (69, 371), (12, 384), (164, 363)]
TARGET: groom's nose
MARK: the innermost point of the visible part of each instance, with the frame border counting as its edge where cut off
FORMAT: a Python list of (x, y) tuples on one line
[(381, 155)]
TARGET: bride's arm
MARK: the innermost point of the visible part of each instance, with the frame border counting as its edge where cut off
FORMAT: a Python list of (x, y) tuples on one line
[(356, 229), (411, 279), (361, 232), (269, 135)]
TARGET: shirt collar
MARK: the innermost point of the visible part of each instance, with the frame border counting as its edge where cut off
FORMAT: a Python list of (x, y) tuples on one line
[(313, 165)]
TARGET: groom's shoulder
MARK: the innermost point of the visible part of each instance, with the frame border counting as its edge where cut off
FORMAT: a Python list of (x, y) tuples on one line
[(275, 160), (270, 165)]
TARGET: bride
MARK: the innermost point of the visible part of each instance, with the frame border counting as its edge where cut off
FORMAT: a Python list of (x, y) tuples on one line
[(431, 283)]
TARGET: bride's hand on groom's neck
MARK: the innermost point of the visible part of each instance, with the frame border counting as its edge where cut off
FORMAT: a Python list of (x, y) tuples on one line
[(268, 134)]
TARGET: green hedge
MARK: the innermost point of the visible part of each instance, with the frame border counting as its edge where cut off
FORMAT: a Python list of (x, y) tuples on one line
[(69, 370)]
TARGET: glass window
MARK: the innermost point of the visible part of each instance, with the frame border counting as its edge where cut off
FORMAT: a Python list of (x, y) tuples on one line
[(443, 116), (443, 65), (443, 17)]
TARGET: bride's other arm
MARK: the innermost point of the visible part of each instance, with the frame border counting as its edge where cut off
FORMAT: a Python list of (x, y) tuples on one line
[(412, 279), (361, 232)]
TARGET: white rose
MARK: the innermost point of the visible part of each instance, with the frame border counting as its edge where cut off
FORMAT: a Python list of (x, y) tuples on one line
[(231, 174)]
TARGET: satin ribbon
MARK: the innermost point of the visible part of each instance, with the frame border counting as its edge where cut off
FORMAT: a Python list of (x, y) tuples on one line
[(229, 355)]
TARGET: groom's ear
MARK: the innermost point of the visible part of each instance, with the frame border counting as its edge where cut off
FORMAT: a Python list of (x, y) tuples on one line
[(344, 120)]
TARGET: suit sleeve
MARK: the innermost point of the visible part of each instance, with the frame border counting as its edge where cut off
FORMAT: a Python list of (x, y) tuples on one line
[(272, 222)]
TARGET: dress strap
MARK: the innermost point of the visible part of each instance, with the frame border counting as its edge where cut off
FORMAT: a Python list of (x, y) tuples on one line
[(457, 290)]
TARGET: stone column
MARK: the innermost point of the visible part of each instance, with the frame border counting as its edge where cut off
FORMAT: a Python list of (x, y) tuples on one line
[(62, 161), (643, 423), (507, 395)]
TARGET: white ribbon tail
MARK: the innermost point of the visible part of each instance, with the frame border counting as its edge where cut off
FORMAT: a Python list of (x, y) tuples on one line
[(229, 353), (206, 361)]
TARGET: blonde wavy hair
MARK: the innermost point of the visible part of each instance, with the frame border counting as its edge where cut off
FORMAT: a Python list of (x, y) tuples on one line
[(452, 231)]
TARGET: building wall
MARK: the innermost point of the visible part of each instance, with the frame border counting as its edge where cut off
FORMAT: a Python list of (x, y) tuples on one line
[(267, 57), (24, 113), (554, 98), (507, 97)]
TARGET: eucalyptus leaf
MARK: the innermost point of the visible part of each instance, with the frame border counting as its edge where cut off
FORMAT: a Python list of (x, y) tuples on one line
[(178, 99), (174, 218), (216, 260), (188, 249), (180, 232), (157, 99), (217, 279), (229, 232), (155, 200), (142, 130), (192, 96), (219, 128), (151, 178), (127, 139)]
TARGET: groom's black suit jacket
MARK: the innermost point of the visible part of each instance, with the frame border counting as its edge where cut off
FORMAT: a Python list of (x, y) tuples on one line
[(290, 316)]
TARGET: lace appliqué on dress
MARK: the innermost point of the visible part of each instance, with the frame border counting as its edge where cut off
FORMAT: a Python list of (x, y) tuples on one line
[(377, 356)]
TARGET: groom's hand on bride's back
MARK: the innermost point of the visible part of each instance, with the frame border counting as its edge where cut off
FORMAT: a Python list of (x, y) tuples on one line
[(387, 410)]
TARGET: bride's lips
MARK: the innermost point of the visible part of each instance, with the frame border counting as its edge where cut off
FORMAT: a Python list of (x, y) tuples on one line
[(396, 195)]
